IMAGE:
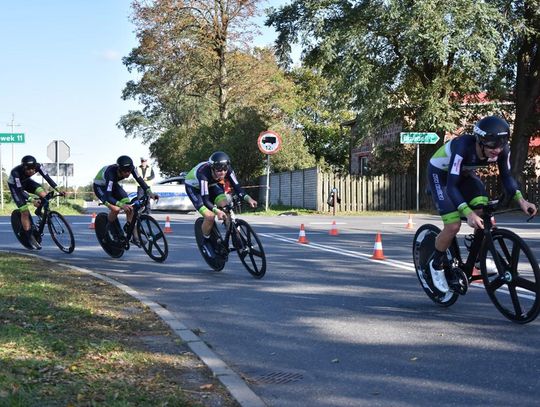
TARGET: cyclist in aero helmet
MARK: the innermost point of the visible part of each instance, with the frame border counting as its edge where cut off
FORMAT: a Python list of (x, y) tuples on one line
[(207, 184), (455, 186), (110, 192), (21, 184)]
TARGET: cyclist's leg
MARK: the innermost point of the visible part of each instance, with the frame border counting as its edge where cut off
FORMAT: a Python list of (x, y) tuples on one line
[(208, 216), (452, 223)]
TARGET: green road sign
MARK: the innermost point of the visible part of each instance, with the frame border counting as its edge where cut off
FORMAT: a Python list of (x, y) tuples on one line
[(11, 137), (418, 138)]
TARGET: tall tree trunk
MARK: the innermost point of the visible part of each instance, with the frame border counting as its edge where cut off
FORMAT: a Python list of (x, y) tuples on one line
[(527, 99)]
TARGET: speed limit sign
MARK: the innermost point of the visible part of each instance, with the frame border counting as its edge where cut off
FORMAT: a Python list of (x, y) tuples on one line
[(269, 142)]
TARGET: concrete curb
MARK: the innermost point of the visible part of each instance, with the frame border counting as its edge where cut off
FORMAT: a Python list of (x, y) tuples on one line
[(228, 377)]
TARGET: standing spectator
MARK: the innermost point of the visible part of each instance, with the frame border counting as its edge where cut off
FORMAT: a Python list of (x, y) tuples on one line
[(146, 172)]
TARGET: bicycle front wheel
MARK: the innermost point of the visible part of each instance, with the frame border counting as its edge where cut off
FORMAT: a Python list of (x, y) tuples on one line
[(249, 249), (515, 286), (61, 232), (152, 238)]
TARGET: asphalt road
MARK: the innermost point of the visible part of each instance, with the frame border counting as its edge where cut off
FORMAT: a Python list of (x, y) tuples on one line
[(327, 325)]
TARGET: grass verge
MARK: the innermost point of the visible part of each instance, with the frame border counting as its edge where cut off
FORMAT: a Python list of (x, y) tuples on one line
[(68, 339), (67, 207)]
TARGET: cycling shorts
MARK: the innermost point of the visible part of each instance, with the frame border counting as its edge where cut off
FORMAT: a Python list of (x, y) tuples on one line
[(470, 185), (216, 193), (117, 193), (19, 196)]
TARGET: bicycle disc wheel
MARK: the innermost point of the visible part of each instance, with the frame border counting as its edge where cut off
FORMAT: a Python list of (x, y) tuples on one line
[(216, 262), (250, 249), (16, 225), (101, 233), (515, 288), (423, 248), (61, 232), (153, 240)]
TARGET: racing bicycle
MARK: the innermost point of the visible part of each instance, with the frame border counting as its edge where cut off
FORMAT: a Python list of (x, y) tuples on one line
[(239, 237), (58, 227), (115, 240), (508, 269)]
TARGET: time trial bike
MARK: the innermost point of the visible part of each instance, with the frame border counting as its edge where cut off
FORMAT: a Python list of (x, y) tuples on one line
[(115, 240), (239, 237), (58, 227), (508, 269)]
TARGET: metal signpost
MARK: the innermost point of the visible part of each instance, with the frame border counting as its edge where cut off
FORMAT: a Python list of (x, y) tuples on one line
[(418, 138), (7, 138), (58, 151), (269, 143)]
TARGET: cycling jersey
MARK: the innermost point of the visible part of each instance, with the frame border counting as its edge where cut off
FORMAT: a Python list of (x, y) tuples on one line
[(453, 181), (19, 184), (107, 187), (204, 191)]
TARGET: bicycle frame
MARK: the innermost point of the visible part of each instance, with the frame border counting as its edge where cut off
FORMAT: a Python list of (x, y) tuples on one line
[(481, 237), (42, 212)]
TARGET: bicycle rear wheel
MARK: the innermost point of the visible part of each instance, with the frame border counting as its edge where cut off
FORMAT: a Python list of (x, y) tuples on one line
[(61, 232), (113, 250), (152, 238), (250, 249), (515, 288), (215, 260), (423, 248)]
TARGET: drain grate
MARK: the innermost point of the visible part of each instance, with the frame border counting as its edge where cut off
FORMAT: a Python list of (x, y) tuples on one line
[(275, 378)]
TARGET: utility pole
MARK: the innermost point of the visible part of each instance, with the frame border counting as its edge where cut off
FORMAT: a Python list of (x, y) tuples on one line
[(12, 125)]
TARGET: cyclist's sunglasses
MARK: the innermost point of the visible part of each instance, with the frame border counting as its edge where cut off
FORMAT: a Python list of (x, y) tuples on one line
[(220, 167), (495, 144)]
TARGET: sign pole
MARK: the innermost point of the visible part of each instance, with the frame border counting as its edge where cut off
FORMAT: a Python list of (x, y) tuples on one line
[(1, 180), (267, 182), (269, 142), (418, 178), (418, 138)]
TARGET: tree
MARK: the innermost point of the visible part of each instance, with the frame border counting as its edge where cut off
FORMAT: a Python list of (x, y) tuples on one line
[(520, 73), (396, 60), (197, 72)]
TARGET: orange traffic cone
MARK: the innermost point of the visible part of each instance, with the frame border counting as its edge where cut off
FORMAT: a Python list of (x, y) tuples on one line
[(167, 225), (334, 231), (377, 249), (410, 224), (92, 224), (302, 235)]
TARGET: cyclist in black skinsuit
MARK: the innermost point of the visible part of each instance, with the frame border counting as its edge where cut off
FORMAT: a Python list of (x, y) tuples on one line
[(455, 186), (108, 190), (206, 186), (21, 184)]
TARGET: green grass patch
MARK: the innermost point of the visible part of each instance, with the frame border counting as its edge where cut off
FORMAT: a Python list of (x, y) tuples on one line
[(66, 207), (67, 339)]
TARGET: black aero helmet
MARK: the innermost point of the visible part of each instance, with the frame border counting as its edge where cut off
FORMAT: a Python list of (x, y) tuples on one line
[(124, 162), (219, 161), (29, 162), (492, 132)]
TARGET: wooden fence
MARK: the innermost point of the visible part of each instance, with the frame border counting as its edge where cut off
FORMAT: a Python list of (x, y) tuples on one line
[(310, 189)]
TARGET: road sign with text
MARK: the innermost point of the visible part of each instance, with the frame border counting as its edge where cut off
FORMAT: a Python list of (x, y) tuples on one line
[(11, 137), (418, 138)]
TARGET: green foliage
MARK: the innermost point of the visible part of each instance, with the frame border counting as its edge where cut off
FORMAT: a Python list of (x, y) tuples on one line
[(412, 59)]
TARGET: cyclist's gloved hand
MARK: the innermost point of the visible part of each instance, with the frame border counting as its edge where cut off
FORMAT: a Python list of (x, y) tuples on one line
[(220, 214), (155, 197), (475, 221), (527, 207), (252, 202), (62, 193)]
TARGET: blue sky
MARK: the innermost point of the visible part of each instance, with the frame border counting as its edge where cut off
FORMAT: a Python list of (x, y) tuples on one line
[(62, 76)]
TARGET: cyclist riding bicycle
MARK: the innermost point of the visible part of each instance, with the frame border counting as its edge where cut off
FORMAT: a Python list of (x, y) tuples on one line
[(455, 186), (108, 190), (21, 184), (206, 186)]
